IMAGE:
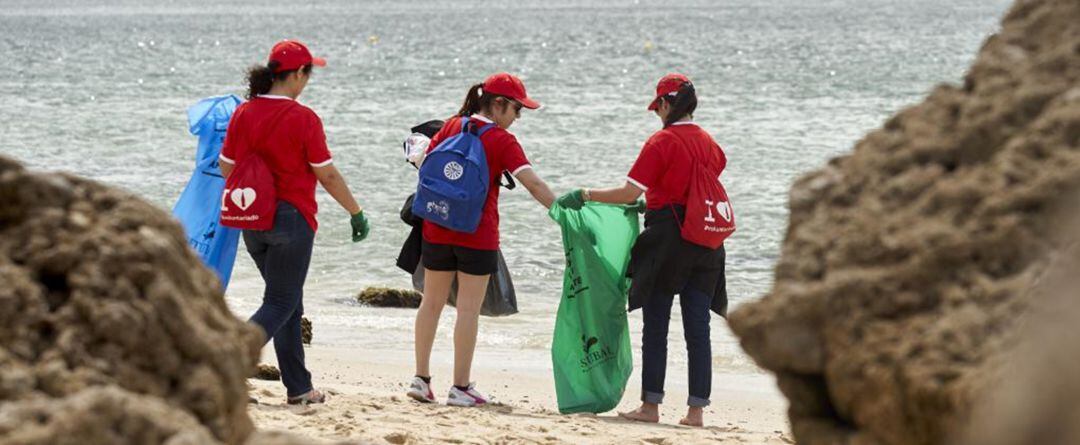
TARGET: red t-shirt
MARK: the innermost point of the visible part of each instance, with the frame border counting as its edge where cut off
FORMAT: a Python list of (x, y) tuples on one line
[(294, 144), (503, 153), (663, 168)]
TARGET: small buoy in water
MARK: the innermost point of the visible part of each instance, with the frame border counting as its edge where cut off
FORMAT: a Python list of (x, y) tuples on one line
[(373, 40), (649, 47)]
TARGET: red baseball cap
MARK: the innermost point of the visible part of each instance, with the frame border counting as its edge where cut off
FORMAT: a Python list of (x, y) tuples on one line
[(292, 55), (506, 84), (668, 85)]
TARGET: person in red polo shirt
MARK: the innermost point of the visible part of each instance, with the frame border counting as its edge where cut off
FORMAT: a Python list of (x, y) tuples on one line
[(662, 263), (471, 258), (290, 139)]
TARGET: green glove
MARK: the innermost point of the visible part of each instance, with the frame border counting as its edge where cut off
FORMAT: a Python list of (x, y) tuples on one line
[(573, 200), (360, 227), (638, 206)]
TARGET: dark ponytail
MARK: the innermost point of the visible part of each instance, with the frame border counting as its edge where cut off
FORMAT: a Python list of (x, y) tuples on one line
[(472, 101), (261, 78), (476, 101), (683, 104)]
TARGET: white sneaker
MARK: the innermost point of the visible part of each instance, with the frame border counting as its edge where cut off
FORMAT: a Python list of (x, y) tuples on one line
[(468, 398), (421, 391)]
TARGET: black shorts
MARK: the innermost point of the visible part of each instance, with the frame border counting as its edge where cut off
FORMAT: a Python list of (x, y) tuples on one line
[(446, 258)]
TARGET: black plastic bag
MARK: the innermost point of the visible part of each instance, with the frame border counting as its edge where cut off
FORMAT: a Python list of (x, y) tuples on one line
[(500, 300)]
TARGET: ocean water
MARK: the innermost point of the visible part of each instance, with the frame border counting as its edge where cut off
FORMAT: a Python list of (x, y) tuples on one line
[(100, 88)]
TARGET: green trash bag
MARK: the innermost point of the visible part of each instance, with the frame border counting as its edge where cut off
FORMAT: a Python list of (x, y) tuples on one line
[(590, 352)]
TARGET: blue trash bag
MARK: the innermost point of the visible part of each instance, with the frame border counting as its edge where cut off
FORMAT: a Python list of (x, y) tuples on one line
[(199, 206)]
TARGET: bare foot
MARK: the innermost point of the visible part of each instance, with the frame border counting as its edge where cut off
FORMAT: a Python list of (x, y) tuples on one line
[(694, 417), (688, 422), (646, 413)]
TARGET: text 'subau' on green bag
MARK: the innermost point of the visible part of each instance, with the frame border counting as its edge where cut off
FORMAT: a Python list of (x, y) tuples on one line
[(591, 349)]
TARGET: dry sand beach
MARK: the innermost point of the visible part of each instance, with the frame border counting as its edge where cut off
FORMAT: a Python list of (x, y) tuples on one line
[(367, 405)]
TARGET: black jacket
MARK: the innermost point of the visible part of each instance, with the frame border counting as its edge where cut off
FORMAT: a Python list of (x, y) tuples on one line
[(663, 263), (409, 257)]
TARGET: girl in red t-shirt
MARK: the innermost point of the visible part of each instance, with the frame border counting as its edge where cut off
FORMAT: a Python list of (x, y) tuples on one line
[(471, 258), (662, 263), (289, 137)]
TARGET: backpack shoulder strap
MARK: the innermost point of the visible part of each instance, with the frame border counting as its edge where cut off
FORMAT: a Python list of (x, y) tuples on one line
[(510, 184), (690, 147), (484, 129)]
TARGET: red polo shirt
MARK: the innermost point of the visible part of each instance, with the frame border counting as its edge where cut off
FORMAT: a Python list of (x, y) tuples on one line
[(662, 169), (503, 153), (293, 142)]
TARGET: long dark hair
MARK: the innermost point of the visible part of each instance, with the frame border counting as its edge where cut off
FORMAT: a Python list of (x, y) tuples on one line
[(683, 104), (261, 78), (476, 101)]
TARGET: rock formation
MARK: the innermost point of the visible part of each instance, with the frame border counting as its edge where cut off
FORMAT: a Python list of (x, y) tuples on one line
[(1038, 400), (267, 372), (111, 330), (388, 297), (307, 331), (100, 415), (907, 265)]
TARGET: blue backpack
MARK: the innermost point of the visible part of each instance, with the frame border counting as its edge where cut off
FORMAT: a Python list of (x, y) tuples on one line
[(454, 181)]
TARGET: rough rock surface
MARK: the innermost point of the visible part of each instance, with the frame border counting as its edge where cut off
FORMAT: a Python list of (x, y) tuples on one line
[(267, 372), (907, 264), (388, 297), (100, 415), (1038, 401), (307, 331), (103, 304)]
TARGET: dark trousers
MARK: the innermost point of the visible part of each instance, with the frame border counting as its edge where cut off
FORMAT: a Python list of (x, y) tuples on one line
[(695, 313), (282, 255)]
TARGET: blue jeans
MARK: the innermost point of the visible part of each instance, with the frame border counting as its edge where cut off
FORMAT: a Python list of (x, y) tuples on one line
[(282, 255), (657, 313)]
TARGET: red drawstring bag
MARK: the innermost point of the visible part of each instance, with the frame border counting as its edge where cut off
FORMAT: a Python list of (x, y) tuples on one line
[(249, 200), (709, 217)]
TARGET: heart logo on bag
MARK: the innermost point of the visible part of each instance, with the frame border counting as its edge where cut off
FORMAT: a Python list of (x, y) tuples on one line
[(243, 198), (725, 210)]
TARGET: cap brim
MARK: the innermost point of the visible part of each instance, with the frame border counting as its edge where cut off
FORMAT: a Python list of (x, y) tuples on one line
[(529, 103), (655, 104), (318, 61)]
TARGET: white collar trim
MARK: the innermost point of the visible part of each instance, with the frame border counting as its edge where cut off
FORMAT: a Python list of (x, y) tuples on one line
[(684, 123), (274, 96), (482, 119)]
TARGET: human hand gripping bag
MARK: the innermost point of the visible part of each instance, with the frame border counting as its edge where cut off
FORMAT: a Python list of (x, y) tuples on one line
[(249, 200), (590, 351)]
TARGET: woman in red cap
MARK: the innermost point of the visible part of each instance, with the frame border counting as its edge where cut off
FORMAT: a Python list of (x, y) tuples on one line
[(289, 137), (662, 263), (471, 258)]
